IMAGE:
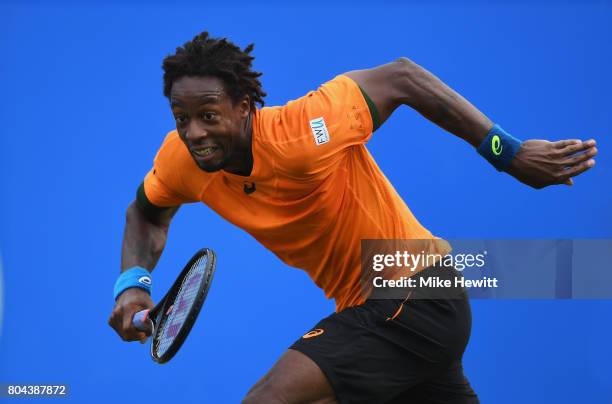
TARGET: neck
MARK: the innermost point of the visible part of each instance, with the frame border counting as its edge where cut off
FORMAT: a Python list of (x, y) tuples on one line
[(242, 164)]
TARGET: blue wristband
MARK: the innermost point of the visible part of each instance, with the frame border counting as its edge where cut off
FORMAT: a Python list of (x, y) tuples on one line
[(499, 147), (136, 277)]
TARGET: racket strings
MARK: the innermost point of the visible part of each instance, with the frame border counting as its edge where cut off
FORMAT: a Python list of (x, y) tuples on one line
[(179, 311)]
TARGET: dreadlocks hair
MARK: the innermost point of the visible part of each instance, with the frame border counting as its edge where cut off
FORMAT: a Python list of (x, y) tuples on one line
[(206, 56)]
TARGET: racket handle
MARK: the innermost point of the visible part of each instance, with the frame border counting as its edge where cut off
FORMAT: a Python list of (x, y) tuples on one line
[(140, 320)]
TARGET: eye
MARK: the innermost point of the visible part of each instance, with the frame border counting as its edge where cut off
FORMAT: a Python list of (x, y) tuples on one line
[(180, 119), (209, 116)]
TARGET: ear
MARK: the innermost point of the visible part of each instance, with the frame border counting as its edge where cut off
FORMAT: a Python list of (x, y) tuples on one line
[(244, 106)]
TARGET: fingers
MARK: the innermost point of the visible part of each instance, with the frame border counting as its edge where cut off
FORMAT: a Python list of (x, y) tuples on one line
[(567, 147), (580, 157), (540, 163), (129, 303), (576, 170), (122, 324), (580, 161), (131, 333), (565, 143)]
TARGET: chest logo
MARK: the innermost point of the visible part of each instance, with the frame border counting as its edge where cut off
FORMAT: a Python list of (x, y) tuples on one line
[(319, 131)]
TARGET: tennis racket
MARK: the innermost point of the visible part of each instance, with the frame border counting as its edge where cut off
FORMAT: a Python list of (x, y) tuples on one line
[(172, 318)]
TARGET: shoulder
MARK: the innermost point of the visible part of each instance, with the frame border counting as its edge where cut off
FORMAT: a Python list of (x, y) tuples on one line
[(172, 149), (173, 155), (338, 102), (175, 168), (311, 133)]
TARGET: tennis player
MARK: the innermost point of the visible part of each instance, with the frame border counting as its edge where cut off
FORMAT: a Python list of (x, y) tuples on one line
[(300, 180)]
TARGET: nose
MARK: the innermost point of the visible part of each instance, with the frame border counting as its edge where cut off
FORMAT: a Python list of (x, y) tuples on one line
[(195, 133)]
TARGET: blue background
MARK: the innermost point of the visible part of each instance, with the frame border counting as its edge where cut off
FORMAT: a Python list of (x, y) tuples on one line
[(82, 115)]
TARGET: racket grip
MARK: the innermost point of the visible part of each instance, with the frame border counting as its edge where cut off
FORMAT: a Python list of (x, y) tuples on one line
[(140, 320)]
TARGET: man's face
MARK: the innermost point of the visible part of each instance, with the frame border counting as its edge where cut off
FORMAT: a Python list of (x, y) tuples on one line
[(208, 122)]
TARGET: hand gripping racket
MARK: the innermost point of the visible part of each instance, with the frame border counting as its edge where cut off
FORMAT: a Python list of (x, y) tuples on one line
[(172, 318)]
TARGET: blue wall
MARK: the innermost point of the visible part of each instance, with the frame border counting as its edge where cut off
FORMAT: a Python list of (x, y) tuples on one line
[(82, 116)]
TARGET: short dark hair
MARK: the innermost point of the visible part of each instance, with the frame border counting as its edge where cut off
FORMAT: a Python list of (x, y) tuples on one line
[(206, 56)]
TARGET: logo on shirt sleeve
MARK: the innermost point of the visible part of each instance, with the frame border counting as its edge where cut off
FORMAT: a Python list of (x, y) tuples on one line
[(319, 131)]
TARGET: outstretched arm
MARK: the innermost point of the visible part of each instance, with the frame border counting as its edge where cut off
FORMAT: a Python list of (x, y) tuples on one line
[(538, 163)]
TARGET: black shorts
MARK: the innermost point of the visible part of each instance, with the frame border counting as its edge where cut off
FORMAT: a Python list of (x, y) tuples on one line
[(395, 351)]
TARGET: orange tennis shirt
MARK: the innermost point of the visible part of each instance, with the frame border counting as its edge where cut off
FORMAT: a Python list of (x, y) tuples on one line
[(318, 192)]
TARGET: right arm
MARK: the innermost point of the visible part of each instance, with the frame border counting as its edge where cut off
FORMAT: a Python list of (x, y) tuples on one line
[(144, 239), (145, 235)]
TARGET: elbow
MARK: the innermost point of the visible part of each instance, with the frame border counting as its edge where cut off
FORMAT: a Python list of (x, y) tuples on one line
[(141, 227), (406, 68), (407, 79), (404, 62), (132, 213), (136, 216)]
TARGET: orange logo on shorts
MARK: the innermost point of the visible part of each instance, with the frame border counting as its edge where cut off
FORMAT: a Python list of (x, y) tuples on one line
[(314, 333)]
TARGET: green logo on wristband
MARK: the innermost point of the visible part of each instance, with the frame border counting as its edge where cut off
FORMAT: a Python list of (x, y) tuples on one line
[(496, 145)]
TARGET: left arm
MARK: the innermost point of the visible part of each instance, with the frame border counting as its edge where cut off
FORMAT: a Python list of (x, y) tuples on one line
[(538, 163)]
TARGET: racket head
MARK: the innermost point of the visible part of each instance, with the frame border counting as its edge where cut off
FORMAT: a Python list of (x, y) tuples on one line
[(174, 316)]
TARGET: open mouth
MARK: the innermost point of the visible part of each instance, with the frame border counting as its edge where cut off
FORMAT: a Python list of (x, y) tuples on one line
[(207, 151)]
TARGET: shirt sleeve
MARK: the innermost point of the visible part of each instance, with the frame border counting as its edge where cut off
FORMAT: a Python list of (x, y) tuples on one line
[(167, 183)]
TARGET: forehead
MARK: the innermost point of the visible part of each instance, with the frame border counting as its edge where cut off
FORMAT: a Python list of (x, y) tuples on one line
[(193, 88)]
